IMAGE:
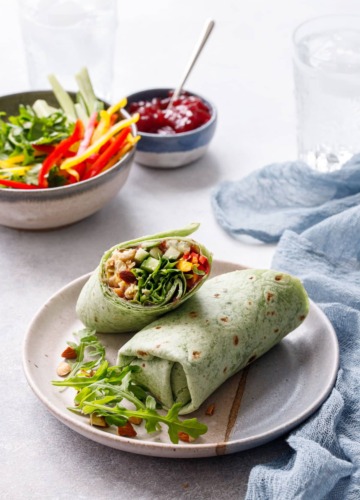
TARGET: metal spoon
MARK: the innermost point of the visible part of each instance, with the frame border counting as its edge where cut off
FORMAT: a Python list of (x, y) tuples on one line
[(203, 39)]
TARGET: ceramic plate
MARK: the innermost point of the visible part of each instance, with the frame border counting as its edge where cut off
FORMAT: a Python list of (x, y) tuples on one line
[(260, 403)]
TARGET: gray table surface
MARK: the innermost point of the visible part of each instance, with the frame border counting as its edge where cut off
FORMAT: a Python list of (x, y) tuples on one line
[(246, 70)]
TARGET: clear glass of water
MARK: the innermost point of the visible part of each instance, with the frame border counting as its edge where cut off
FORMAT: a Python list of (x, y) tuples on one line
[(327, 89), (63, 36)]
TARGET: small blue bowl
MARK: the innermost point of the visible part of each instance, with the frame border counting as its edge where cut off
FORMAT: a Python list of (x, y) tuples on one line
[(171, 151)]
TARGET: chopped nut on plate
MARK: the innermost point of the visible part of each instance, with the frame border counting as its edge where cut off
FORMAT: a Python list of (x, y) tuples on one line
[(97, 420), (69, 353), (183, 436), (135, 420), (210, 410), (127, 430), (63, 369)]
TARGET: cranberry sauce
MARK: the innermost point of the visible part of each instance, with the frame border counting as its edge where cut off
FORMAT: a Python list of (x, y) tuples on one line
[(188, 112)]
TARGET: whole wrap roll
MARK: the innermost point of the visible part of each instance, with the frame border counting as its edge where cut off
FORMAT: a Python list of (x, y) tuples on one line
[(99, 308), (233, 320)]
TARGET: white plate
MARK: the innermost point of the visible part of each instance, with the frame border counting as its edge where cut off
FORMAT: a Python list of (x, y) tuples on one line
[(259, 404)]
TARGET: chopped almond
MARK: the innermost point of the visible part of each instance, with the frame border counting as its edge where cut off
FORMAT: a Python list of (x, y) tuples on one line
[(63, 369), (127, 430), (135, 420), (69, 353), (97, 420), (210, 410), (183, 436)]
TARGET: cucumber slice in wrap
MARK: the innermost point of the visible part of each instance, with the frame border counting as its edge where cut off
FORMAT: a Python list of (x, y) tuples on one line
[(99, 308), (230, 322)]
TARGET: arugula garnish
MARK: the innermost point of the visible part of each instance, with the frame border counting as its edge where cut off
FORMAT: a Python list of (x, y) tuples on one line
[(102, 389)]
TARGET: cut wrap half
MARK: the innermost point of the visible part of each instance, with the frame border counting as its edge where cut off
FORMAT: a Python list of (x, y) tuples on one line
[(139, 280), (233, 320)]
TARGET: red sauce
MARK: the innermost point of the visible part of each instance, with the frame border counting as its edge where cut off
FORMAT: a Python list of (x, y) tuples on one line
[(188, 112)]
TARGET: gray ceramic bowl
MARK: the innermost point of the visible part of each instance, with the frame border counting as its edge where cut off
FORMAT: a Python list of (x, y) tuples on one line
[(169, 151), (60, 206)]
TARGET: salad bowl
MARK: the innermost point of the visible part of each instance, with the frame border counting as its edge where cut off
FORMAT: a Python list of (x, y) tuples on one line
[(49, 208)]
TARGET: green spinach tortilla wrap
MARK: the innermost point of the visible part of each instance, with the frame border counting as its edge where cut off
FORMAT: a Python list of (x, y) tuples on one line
[(234, 319), (139, 280)]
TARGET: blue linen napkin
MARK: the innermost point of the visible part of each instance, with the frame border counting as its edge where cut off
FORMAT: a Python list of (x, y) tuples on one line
[(285, 196), (325, 462), (317, 217)]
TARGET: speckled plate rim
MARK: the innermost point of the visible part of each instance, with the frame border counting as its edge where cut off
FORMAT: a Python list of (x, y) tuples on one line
[(34, 339)]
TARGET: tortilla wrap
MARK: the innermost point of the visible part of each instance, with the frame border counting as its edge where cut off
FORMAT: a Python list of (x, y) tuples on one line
[(99, 308), (233, 320)]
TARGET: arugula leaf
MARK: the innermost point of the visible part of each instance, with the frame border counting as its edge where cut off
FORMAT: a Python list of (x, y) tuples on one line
[(102, 389), (163, 285), (18, 135)]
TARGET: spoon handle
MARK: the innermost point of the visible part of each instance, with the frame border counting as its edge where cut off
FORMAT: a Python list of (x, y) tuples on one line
[(203, 39)]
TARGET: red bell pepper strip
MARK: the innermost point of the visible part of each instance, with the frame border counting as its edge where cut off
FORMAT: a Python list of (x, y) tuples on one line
[(44, 148), (60, 150), (80, 169), (72, 176), (110, 151), (17, 185), (83, 167)]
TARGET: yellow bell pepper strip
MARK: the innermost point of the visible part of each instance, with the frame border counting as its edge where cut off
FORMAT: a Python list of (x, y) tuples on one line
[(109, 152), (102, 127), (94, 148), (16, 184), (107, 119), (5, 165), (15, 170), (58, 153), (89, 130), (15, 159), (19, 159), (115, 107)]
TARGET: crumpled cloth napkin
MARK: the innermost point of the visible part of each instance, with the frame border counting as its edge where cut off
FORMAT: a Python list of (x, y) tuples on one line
[(283, 201), (325, 462), (285, 196)]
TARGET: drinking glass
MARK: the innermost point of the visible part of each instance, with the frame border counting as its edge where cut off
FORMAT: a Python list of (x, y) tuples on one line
[(327, 89), (63, 36)]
